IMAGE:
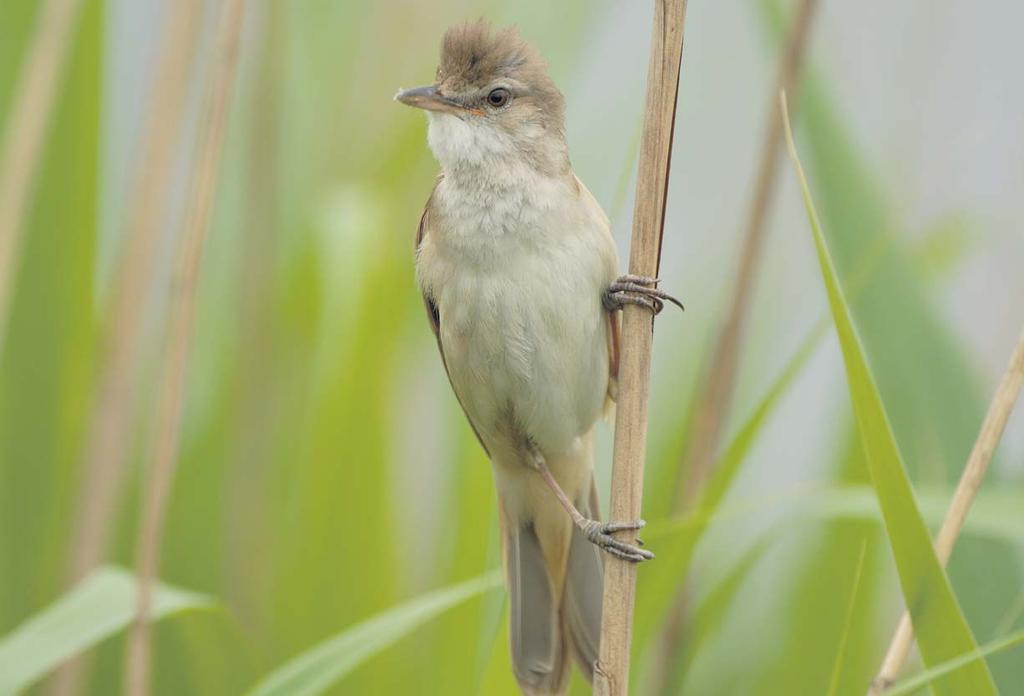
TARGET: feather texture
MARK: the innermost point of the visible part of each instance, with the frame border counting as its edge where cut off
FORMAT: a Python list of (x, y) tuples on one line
[(513, 256)]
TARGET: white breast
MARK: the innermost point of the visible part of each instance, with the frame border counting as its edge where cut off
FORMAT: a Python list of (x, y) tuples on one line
[(516, 265)]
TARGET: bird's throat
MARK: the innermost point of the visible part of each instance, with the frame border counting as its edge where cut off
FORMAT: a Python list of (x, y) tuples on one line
[(474, 152)]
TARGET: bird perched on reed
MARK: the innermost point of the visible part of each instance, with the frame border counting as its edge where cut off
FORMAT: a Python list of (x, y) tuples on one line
[(518, 271)]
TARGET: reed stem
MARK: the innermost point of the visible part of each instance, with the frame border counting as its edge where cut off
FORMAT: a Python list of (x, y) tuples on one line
[(611, 673), (167, 437), (966, 491)]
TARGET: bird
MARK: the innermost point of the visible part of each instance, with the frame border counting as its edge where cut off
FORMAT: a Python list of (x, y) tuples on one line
[(518, 271)]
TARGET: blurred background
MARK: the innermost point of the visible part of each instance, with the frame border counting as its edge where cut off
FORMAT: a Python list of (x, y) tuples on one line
[(326, 472)]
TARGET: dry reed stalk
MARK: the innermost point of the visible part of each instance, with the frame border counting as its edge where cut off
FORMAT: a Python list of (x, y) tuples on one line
[(716, 394), (966, 491), (712, 405), (248, 467), (611, 673), (109, 441), (31, 105), (166, 442), (109, 438)]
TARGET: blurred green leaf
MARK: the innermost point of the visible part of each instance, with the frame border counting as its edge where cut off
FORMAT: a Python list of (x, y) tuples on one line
[(660, 583), (710, 613), (1012, 614), (944, 244), (933, 404), (940, 627), (16, 21), (736, 453), (48, 357), (100, 606), (199, 652), (996, 515), (497, 677), (470, 539), (667, 470), (929, 676), (321, 666), (851, 605)]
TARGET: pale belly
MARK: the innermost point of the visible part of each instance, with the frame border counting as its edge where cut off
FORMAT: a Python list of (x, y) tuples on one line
[(526, 346)]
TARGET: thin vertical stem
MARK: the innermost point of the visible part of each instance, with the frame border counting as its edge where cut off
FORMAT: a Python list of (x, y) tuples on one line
[(109, 437), (611, 673), (246, 565), (31, 105), (716, 394), (966, 491), (166, 444)]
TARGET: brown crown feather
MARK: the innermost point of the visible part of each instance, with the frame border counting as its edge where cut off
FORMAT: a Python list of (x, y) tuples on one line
[(473, 54)]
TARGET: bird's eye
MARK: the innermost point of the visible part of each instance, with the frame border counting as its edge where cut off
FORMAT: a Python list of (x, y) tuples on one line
[(498, 97)]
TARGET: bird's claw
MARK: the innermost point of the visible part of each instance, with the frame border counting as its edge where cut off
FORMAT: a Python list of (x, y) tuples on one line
[(600, 534), (638, 290)]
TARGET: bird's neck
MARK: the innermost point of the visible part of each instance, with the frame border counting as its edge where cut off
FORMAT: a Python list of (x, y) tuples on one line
[(476, 157)]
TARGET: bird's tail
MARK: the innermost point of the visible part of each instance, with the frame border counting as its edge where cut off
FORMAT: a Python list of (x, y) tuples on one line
[(555, 582)]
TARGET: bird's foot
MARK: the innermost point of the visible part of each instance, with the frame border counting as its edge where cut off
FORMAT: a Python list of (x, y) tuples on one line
[(597, 533), (600, 534), (638, 290)]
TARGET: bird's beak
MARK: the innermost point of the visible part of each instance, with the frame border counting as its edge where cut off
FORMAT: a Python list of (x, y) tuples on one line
[(429, 98)]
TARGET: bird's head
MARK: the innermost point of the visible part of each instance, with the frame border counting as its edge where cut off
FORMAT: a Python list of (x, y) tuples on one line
[(492, 103)]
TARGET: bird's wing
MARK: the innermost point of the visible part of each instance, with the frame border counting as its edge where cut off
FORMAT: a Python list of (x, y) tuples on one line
[(614, 317), (434, 317)]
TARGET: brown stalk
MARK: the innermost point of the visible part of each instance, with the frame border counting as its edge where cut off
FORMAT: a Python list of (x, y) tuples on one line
[(103, 466), (611, 673), (716, 391), (109, 439), (166, 443), (716, 395), (31, 105), (966, 491), (245, 566)]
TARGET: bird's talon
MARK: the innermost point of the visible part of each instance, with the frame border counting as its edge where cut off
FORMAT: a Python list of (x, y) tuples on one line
[(639, 280), (638, 290), (600, 534), (612, 527)]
